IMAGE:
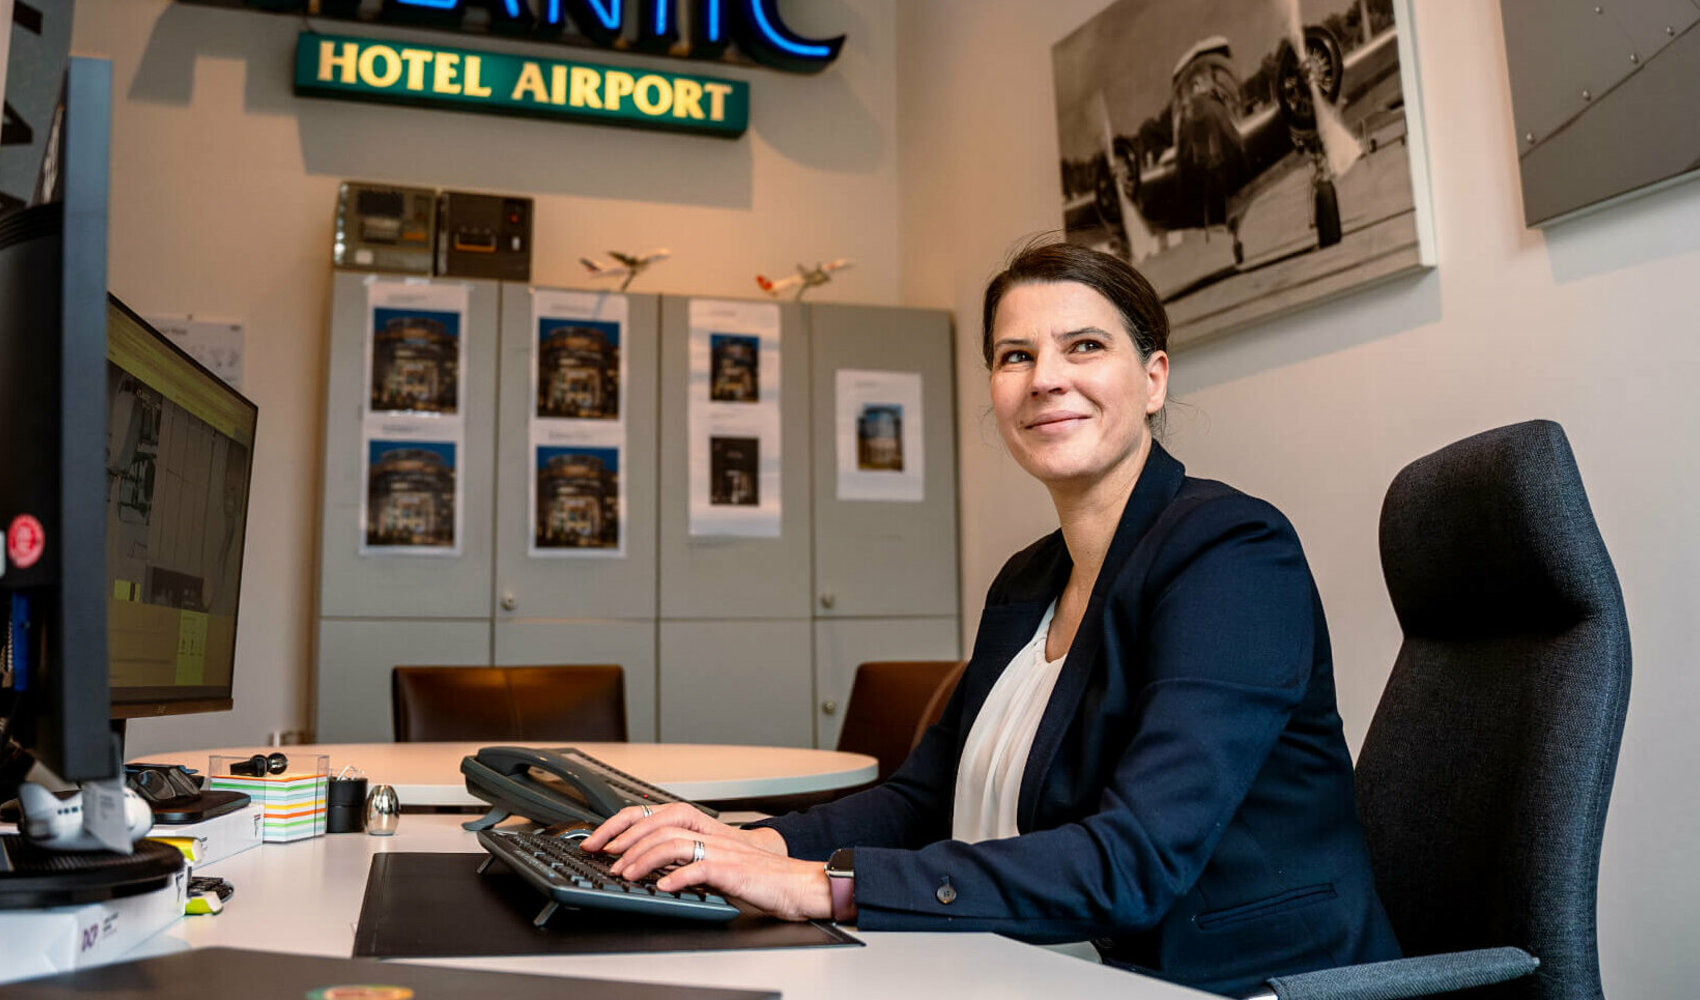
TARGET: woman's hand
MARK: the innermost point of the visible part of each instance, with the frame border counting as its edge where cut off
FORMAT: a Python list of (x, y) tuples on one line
[(632, 825), (769, 881)]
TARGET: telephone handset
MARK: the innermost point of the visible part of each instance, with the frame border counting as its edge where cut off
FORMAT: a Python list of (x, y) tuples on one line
[(551, 786)]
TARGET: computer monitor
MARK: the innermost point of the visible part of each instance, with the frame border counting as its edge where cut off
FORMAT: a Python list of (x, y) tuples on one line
[(179, 456), (53, 678)]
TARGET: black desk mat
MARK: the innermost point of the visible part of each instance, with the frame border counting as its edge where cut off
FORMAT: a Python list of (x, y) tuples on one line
[(437, 905)]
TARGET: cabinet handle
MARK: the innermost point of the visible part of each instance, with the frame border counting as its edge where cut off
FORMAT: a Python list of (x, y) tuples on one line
[(828, 599), (509, 601), (829, 707)]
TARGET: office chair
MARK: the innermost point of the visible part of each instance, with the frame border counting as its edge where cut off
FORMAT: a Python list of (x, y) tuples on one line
[(1485, 776), (935, 705), (520, 704), (888, 701)]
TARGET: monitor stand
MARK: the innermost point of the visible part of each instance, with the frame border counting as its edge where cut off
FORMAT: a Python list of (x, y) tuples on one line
[(34, 876)]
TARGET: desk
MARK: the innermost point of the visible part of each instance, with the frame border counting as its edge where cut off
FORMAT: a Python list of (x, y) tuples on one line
[(428, 774), (305, 898)]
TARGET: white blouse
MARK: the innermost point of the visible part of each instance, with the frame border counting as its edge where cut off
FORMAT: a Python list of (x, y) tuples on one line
[(988, 777)]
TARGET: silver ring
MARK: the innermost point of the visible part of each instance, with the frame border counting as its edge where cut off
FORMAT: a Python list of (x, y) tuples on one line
[(697, 852), (645, 811)]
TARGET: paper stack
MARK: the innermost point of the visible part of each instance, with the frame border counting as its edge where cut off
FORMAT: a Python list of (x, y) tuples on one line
[(217, 838), (293, 802), (62, 938)]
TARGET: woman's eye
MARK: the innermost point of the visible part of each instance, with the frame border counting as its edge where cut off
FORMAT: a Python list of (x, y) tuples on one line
[(1013, 357), (1087, 345)]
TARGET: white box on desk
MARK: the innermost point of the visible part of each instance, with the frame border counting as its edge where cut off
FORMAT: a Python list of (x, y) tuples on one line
[(219, 837), (62, 938)]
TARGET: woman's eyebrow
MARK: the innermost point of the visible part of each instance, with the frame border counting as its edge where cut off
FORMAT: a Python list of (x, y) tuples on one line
[(1085, 331)]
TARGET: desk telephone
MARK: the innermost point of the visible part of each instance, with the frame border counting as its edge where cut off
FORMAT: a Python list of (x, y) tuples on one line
[(552, 786)]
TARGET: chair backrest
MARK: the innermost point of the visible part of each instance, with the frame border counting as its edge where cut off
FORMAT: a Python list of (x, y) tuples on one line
[(887, 700), (935, 705), (1484, 779), (522, 704)]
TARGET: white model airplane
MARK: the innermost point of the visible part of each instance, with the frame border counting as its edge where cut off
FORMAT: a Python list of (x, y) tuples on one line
[(629, 265), (805, 278)]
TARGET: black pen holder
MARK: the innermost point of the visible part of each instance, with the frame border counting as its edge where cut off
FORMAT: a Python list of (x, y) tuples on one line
[(346, 811)]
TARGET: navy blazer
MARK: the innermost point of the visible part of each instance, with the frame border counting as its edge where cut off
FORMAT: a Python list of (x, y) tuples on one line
[(1187, 804)]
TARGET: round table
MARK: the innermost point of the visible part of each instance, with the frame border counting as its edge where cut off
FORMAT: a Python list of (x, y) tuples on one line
[(428, 774)]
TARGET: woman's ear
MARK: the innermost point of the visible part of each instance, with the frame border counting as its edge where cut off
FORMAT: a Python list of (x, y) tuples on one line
[(1156, 381)]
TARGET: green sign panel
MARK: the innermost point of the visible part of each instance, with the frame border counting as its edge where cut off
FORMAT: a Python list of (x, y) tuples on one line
[(371, 69)]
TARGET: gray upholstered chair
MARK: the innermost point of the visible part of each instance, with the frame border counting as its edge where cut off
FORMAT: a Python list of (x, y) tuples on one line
[(1484, 779)]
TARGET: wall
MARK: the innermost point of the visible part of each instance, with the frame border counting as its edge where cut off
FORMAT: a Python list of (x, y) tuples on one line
[(224, 184), (1592, 324)]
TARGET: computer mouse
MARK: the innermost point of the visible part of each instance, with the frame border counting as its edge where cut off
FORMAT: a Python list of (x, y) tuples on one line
[(573, 832)]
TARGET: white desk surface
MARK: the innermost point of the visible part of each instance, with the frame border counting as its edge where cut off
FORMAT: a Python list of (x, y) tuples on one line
[(305, 898), (428, 774)]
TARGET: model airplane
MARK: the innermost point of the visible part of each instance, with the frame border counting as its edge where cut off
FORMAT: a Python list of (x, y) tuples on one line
[(629, 265), (805, 278), (1217, 159)]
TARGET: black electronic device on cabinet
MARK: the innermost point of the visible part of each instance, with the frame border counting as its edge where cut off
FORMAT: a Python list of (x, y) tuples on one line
[(383, 227), (483, 236)]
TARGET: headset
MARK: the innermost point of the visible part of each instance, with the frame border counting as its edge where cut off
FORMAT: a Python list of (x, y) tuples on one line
[(260, 765)]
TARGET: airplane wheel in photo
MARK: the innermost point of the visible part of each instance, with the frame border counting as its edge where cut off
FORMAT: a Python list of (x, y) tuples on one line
[(1104, 197), (1327, 204)]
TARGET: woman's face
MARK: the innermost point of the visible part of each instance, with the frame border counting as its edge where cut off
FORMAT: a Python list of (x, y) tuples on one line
[(1069, 389)]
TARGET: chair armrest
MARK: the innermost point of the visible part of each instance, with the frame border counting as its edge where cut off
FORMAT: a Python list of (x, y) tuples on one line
[(1406, 977)]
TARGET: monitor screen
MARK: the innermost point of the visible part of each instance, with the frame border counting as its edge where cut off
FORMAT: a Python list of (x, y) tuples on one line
[(179, 455)]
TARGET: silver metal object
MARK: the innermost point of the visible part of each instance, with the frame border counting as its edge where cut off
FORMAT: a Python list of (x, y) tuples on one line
[(1634, 59), (646, 811), (509, 601), (829, 707), (1587, 95), (697, 852), (383, 810)]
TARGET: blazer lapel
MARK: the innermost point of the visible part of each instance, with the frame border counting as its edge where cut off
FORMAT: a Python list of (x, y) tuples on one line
[(1158, 483), (1007, 626)]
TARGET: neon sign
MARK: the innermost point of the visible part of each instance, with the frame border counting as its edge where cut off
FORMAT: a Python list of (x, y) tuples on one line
[(690, 29)]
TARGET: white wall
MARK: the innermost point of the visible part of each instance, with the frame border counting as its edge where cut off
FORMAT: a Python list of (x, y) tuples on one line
[(224, 185), (1592, 324)]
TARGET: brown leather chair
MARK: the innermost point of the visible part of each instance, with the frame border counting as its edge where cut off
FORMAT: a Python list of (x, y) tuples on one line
[(889, 705), (518, 704), (935, 707)]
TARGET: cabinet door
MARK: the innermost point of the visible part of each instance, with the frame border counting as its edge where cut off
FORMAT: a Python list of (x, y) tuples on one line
[(405, 586), (884, 558), (841, 645), (721, 577), (746, 682), (354, 663), (630, 644), (566, 586)]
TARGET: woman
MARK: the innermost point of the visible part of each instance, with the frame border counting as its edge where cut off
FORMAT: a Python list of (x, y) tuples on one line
[(1144, 750)]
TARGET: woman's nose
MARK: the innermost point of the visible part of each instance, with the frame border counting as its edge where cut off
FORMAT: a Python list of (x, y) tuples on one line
[(1049, 375)]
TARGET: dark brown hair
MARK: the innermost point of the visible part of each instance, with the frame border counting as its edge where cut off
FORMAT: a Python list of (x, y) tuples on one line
[(1126, 289)]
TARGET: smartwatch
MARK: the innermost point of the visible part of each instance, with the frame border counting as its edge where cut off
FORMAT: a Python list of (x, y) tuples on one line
[(841, 879)]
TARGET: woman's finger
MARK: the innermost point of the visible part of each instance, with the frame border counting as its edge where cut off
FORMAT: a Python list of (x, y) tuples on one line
[(673, 816), (612, 827), (670, 847)]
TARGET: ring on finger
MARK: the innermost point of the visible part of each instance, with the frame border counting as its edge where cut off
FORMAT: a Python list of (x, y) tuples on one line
[(697, 851), (646, 811)]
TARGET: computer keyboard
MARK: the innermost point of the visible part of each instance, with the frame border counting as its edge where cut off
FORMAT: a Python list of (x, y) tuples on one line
[(569, 877)]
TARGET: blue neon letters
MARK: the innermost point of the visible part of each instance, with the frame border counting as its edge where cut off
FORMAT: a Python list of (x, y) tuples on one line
[(755, 25)]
